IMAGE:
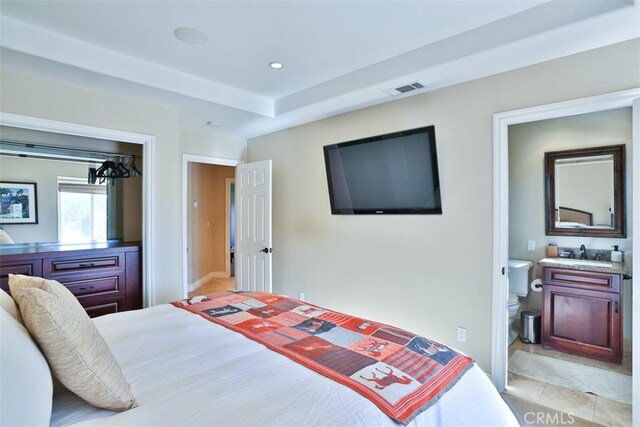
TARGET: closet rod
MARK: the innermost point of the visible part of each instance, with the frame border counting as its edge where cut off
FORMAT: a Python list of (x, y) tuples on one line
[(41, 151)]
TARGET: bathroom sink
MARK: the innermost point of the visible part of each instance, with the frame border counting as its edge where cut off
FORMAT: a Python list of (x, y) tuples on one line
[(584, 262)]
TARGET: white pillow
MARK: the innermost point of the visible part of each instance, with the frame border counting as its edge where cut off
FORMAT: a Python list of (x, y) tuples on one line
[(26, 389), (9, 305), (5, 239)]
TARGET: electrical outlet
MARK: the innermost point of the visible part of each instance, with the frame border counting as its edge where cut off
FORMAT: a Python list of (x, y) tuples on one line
[(531, 245), (301, 295), (462, 334)]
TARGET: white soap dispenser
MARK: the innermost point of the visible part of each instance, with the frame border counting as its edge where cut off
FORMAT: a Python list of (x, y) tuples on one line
[(616, 255)]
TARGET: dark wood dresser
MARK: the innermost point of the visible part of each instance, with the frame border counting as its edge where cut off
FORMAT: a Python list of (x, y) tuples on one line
[(105, 277), (582, 313)]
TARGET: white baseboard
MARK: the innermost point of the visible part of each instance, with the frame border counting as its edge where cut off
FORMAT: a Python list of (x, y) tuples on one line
[(204, 279)]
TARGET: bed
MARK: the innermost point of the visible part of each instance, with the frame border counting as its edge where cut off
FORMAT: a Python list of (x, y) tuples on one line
[(574, 218), (186, 370)]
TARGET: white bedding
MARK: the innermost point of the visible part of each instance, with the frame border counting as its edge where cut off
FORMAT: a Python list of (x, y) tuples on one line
[(185, 370)]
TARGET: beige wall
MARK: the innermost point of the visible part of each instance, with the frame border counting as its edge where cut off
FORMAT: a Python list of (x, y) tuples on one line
[(207, 222), (29, 95), (527, 144), (431, 273)]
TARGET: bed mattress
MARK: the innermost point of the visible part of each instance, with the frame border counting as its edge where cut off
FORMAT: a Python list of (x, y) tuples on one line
[(184, 370)]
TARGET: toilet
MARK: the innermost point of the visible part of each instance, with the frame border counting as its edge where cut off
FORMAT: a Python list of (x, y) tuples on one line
[(518, 278)]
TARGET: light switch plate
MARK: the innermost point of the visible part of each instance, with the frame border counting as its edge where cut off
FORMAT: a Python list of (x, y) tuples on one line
[(462, 334), (531, 245)]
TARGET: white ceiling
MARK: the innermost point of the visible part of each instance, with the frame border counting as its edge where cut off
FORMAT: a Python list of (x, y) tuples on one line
[(338, 55)]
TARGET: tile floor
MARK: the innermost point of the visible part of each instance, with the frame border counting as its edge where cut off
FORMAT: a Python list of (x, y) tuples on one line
[(531, 414), (526, 394), (624, 368)]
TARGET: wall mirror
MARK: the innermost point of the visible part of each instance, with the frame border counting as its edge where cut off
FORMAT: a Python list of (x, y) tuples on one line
[(585, 192), (46, 196)]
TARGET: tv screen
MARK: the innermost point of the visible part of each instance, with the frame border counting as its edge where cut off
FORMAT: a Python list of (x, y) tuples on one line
[(395, 173)]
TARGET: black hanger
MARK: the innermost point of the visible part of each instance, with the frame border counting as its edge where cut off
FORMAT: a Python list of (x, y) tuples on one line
[(105, 170), (92, 176), (109, 171)]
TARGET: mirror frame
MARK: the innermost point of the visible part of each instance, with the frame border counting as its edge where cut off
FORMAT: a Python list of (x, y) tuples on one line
[(619, 229)]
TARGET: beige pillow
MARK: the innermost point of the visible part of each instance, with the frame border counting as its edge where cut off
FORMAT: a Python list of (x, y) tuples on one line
[(9, 306), (19, 281), (78, 355)]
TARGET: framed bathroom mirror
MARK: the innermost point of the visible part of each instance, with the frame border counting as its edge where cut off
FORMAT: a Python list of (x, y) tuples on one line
[(585, 192)]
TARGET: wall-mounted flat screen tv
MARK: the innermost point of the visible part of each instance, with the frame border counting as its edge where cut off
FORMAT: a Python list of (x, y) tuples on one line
[(396, 173)]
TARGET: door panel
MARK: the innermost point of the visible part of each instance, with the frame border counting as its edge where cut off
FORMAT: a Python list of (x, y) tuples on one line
[(253, 245), (570, 312)]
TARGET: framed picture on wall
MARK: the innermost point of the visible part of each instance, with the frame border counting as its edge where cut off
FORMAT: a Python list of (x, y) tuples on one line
[(18, 203)]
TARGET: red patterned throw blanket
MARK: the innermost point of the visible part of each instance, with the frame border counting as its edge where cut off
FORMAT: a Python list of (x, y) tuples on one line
[(401, 372)]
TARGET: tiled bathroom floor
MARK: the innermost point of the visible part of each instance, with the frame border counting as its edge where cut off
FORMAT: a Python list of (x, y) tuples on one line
[(624, 368), (587, 406)]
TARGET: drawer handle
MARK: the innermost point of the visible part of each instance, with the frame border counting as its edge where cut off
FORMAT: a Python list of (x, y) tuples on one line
[(89, 264), (86, 288)]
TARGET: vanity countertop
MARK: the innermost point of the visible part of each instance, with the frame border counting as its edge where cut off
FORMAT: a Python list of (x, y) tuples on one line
[(585, 265)]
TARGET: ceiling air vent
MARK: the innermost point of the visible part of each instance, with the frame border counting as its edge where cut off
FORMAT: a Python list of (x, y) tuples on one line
[(404, 89)]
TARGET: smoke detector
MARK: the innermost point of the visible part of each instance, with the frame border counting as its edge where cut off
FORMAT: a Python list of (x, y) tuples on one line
[(406, 88)]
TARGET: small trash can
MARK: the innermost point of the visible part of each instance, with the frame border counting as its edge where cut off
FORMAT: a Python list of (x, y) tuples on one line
[(530, 327)]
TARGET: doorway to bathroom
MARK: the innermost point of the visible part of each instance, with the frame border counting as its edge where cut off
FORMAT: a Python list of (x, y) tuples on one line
[(539, 374)]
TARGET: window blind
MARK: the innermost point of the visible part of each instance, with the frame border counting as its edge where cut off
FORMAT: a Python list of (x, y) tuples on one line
[(68, 187)]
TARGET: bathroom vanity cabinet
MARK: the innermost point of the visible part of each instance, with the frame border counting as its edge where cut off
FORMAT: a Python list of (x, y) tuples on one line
[(582, 312)]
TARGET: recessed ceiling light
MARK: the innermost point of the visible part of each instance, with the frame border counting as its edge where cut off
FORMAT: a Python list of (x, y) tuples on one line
[(276, 65), (190, 35)]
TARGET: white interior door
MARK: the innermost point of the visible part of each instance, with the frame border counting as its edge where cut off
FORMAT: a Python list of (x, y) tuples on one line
[(253, 226)]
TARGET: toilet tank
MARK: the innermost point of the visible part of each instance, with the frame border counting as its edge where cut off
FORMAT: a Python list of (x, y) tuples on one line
[(519, 276)]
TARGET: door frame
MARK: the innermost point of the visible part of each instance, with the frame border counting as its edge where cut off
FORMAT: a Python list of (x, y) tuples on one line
[(186, 159), (227, 224), (501, 123), (148, 186)]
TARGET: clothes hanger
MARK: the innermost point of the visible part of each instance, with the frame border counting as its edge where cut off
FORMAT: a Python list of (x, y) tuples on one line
[(132, 167), (105, 169), (92, 176), (124, 170), (109, 170)]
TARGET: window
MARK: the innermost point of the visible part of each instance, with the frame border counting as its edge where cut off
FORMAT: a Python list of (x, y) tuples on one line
[(82, 211)]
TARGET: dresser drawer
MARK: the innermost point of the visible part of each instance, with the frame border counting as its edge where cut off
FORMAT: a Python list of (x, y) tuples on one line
[(103, 307), (100, 285), (56, 266), (27, 267), (589, 280)]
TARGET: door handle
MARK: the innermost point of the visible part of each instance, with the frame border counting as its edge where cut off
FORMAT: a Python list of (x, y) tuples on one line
[(615, 307), (267, 250)]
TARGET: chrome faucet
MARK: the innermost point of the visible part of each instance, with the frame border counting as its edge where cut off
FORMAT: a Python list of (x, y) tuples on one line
[(583, 252)]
